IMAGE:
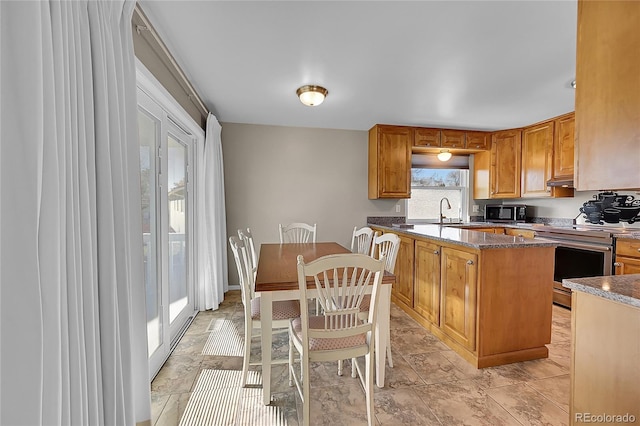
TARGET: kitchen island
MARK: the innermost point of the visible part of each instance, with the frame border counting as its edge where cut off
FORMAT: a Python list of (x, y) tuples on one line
[(487, 296), (605, 324)]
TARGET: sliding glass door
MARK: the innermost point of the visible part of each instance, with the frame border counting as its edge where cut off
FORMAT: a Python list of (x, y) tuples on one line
[(166, 153)]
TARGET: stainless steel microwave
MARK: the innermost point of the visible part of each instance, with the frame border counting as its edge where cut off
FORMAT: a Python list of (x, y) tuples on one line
[(505, 213)]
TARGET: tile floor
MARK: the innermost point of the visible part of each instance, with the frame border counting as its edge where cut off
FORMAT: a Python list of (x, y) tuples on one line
[(428, 385)]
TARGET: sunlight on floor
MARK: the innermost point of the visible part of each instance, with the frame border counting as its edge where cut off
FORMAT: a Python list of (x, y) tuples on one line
[(218, 399), (224, 339)]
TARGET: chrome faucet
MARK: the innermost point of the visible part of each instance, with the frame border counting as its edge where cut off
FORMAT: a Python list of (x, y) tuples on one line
[(448, 207)]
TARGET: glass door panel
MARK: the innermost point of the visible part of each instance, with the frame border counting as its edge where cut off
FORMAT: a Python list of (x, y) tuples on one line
[(148, 135), (178, 212)]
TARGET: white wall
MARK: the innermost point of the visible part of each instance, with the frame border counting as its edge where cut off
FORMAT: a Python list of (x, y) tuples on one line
[(286, 174)]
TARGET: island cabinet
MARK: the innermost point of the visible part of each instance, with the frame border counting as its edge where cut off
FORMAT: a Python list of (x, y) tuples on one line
[(505, 165), (607, 91), (627, 256), (459, 272), (492, 306), (402, 290), (427, 281), (390, 161)]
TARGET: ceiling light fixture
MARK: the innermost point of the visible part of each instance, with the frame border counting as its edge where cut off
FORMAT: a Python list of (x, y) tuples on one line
[(311, 95), (444, 155)]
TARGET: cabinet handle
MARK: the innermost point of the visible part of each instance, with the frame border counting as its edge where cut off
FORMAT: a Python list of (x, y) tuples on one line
[(639, 249), (436, 252), (617, 264), (469, 262)]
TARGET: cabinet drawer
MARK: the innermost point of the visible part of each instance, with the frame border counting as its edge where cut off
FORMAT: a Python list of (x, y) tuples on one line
[(477, 140), (426, 137), (628, 247), (525, 233), (453, 139)]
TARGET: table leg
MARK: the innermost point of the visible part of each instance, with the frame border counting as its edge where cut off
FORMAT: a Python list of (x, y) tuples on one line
[(266, 313), (384, 313)]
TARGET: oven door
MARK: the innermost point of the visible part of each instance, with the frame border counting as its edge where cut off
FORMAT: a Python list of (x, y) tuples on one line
[(578, 260)]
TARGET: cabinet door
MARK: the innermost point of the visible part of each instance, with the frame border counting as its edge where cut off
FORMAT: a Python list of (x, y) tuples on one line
[(477, 140), (403, 288), (453, 139), (390, 162), (505, 164), (537, 146), (458, 305), (627, 265), (607, 92), (426, 294), (563, 147), (481, 171), (524, 233), (426, 137)]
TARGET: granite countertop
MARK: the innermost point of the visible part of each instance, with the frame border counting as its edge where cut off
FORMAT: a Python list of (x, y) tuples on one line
[(468, 237), (620, 288)]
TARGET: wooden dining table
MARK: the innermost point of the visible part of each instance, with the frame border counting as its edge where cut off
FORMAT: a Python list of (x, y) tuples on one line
[(277, 279)]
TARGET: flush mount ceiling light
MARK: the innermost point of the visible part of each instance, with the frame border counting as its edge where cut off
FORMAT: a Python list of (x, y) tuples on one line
[(312, 95), (444, 155)]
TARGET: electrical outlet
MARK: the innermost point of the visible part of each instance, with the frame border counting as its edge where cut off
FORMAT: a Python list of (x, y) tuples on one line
[(476, 208), (397, 208)]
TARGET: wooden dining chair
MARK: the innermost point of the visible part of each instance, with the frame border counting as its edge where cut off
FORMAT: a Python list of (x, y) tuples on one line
[(246, 236), (339, 333), (283, 311), (386, 245), (297, 233), (361, 240)]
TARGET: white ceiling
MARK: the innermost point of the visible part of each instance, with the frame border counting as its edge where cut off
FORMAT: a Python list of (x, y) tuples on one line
[(455, 64)]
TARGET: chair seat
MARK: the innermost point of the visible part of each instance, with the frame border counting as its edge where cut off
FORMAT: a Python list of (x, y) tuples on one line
[(319, 344), (282, 310)]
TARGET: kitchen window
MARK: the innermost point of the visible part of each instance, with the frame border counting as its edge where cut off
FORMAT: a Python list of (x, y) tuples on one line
[(430, 184)]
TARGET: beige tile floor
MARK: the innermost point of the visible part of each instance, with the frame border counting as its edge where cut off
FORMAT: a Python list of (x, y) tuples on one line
[(428, 385)]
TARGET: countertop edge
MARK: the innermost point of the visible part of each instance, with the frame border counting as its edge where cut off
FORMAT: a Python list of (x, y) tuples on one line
[(525, 243), (617, 288)]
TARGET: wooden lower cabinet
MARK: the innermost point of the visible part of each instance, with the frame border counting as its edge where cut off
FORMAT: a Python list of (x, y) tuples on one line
[(627, 256), (459, 271), (604, 359), (403, 289), (426, 291), (491, 306)]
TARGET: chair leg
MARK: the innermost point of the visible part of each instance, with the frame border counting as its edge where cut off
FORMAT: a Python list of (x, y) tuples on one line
[(389, 348), (290, 361), (339, 367), (248, 329), (306, 402), (369, 387), (354, 372)]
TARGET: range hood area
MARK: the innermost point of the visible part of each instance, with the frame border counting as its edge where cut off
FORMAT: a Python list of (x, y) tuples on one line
[(561, 182)]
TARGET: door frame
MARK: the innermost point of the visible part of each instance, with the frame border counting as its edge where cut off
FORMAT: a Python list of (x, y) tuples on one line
[(178, 117)]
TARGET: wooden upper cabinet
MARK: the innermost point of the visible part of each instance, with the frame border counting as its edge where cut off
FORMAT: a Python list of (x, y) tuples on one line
[(390, 161), (453, 139), (504, 173), (478, 140), (608, 95), (537, 150), (424, 137), (481, 171), (563, 147)]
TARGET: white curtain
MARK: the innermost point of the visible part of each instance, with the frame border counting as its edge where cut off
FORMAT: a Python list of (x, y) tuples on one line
[(73, 348), (212, 234)]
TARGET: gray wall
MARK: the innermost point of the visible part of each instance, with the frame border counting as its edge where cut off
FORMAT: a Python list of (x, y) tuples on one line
[(286, 174)]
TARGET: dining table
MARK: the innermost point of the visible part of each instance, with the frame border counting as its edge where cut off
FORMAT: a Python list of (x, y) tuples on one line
[(277, 279)]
